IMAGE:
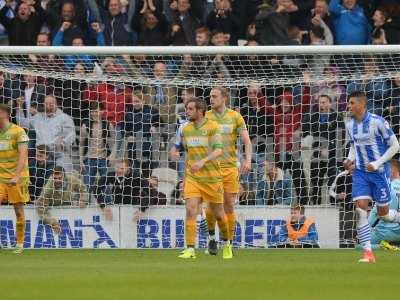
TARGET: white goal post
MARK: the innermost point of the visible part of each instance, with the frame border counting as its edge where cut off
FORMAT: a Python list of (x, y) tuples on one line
[(115, 117)]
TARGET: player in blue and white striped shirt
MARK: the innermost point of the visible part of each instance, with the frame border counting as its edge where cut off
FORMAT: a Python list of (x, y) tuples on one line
[(373, 144)]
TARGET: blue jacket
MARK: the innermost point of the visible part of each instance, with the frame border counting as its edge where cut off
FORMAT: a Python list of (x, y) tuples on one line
[(351, 26), (283, 190), (71, 60)]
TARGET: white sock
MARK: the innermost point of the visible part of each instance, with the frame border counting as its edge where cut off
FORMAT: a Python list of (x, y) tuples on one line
[(211, 237), (363, 229)]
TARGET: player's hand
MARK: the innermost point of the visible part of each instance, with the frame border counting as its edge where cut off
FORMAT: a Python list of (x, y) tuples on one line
[(14, 180), (245, 167), (341, 196), (371, 167), (348, 164), (197, 166)]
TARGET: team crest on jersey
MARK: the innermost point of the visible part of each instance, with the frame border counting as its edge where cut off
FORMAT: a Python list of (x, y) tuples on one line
[(197, 141), (226, 129)]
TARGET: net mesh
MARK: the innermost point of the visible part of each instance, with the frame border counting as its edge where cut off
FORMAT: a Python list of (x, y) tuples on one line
[(128, 107)]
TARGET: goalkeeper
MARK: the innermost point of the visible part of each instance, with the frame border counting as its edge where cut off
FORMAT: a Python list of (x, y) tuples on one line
[(385, 234)]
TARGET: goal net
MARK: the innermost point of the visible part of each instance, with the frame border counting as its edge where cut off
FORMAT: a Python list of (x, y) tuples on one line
[(101, 122)]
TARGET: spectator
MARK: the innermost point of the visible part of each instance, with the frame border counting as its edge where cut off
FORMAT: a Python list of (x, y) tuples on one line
[(5, 89), (40, 170), (272, 26), (321, 11), (340, 190), (30, 95), (163, 96), (203, 35), (96, 143), (220, 38), (44, 60), (331, 87), (62, 189), (319, 130), (351, 24), (54, 129), (123, 186), (117, 29), (223, 19), (299, 231), (198, 9), (154, 30), (287, 123), (71, 25), (71, 92), (276, 187), (320, 34), (141, 121), (186, 94), (246, 196), (184, 25), (300, 14), (113, 96), (376, 88), (71, 60), (387, 24), (392, 110), (177, 194), (23, 29), (258, 115)]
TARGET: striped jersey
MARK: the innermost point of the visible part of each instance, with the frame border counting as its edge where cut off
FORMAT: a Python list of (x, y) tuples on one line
[(9, 141), (370, 139), (231, 124), (199, 142)]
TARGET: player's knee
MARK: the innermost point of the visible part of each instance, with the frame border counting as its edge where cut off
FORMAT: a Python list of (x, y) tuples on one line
[(191, 212)]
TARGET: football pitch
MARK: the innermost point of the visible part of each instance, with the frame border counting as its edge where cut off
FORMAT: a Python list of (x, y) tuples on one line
[(159, 274)]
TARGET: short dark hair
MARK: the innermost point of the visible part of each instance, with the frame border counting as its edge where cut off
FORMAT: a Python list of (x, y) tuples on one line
[(199, 104), (5, 108), (43, 148), (358, 95), (326, 96), (59, 169), (299, 207)]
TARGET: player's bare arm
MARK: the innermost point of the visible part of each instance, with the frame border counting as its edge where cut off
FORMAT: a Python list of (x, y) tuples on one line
[(245, 166), (22, 158)]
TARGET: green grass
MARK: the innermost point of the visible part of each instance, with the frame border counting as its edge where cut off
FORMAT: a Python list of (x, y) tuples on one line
[(159, 274)]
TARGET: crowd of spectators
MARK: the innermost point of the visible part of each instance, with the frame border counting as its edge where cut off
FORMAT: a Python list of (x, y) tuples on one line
[(111, 125)]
